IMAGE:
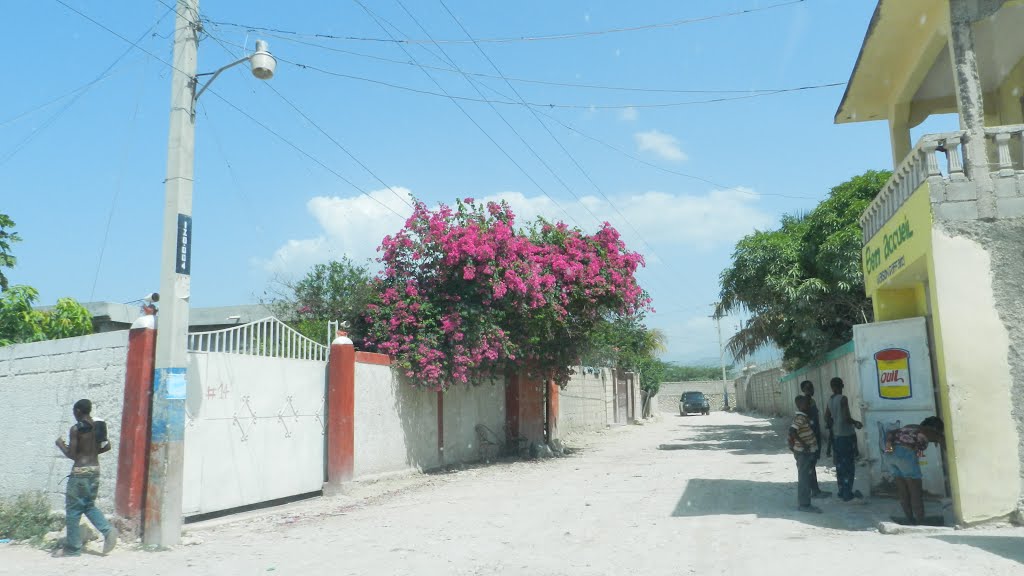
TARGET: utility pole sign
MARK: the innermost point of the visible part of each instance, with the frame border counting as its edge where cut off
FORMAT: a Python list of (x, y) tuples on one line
[(184, 251)]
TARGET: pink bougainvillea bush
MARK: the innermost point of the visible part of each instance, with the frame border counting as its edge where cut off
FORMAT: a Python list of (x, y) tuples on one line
[(464, 294)]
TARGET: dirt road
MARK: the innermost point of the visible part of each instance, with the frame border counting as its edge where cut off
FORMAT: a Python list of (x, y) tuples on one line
[(694, 495)]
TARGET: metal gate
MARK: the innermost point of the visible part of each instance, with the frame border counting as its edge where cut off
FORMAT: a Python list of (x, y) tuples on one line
[(254, 425)]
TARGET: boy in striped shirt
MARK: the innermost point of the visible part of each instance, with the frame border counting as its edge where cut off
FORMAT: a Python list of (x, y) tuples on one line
[(804, 445)]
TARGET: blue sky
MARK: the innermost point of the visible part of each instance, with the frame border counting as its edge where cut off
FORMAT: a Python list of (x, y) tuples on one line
[(263, 209)]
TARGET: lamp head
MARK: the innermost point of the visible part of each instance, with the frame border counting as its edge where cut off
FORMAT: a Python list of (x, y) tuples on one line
[(262, 62)]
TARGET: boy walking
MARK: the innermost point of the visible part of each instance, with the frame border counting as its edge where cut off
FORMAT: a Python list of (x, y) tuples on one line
[(804, 445), (87, 441)]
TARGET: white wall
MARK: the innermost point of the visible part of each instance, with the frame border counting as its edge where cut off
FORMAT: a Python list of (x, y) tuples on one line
[(39, 383), (396, 423), (583, 404)]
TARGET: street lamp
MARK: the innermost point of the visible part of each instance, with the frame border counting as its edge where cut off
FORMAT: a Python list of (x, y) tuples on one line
[(165, 482)]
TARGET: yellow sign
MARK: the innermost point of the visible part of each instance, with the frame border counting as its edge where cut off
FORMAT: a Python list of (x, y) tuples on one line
[(904, 238), (893, 365)]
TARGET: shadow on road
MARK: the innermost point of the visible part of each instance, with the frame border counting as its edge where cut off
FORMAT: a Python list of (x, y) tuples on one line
[(1009, 547), (731, 497), (732, 438)]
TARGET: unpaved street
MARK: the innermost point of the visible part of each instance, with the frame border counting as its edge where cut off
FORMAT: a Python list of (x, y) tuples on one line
[(695, 495)]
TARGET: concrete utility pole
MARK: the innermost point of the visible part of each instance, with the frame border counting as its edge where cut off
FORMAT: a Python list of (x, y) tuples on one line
[(721, 359), (164, 487)]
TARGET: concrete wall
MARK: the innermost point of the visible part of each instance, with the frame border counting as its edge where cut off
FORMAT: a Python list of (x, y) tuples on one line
[(670, 392), (396, 423), (40, 382), (583, 405), (978, 270)]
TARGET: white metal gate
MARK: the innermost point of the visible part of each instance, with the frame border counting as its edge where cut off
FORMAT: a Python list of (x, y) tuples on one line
[(254, 427)]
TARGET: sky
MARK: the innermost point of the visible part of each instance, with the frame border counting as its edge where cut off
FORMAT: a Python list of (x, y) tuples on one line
[(319, 161)]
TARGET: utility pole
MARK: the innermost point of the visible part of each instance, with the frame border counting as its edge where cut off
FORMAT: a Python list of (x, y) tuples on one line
[(164, 487), (721, 359)]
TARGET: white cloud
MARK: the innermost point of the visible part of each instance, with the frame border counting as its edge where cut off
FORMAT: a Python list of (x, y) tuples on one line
[(352, 226), (666, 222), (628, 114), (662, 144)]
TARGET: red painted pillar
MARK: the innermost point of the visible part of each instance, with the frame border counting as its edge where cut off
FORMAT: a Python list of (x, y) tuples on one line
[(553, 390), (130, 490), (341, 389), (531, 409)]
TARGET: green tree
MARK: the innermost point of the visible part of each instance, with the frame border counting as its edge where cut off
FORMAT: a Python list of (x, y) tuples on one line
[(675, 372), (338, 290), (20, 323), (802, 283), (7, 237), (625, 342)]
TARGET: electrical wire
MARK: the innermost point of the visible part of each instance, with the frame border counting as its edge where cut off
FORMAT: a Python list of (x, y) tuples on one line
[(528, 146), (550, 133), (544, 105), (636, 158), (136, 45), (454, 100), (534, 80), (333, 140), (56, 116), (117, 185), (534, 38)]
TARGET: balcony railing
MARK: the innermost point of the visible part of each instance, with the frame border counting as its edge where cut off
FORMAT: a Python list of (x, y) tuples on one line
[(940, 159), (921, 164)]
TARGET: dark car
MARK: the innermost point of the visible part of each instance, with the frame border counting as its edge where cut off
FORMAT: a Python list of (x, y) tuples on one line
[(694, 403)]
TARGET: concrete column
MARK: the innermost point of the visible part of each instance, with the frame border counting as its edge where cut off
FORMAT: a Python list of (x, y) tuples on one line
[(525, 408), (130, 491), (440, 428), (341, 389), (970, 102), (553, 391), (899, 132)]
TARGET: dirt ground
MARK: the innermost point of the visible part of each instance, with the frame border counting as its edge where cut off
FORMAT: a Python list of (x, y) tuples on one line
[(693, 495)]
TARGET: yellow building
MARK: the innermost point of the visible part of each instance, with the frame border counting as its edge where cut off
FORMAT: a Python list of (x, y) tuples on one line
[(945, 237)]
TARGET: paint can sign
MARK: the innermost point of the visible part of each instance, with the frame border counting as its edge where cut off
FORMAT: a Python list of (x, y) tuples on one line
[(893, 366)]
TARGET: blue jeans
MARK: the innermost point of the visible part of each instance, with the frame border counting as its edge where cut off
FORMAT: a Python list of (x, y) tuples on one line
[(81, 499), (804, 476), (903, 463), (845, 448)]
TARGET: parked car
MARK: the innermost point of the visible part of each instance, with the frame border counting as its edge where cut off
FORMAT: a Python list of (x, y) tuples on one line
[(694, 403)]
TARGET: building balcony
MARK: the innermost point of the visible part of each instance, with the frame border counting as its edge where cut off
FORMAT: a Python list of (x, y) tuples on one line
[(940, 161)]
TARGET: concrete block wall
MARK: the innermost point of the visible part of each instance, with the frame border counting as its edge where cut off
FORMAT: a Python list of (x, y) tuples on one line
[(40, 383), (670, 392), (583, 405)]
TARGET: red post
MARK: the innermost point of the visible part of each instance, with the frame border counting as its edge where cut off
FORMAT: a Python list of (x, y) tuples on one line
[(130, 490), (553, 390), (341, 389)]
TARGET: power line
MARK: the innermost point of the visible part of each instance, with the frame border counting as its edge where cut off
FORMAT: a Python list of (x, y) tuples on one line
[(636, 158), (552, 105), (136, 45), (529, 147), (338, 144), (534, 38), (550, 133), (454, 100), (83, 90), (533, 80)]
